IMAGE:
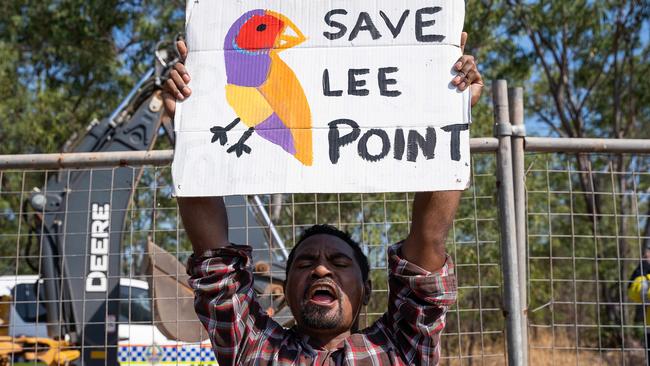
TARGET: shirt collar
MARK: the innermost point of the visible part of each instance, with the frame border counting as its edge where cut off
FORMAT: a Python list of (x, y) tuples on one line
[(304, 339)]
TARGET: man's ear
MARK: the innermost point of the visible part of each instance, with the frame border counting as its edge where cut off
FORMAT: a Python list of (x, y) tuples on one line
[(284, 292), (367, 291)]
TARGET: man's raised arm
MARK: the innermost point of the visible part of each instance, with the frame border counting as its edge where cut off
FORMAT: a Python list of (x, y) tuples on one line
[(204, 218), (220, 274), (205, 221), (433, 212), (422, 278), (433, 215)]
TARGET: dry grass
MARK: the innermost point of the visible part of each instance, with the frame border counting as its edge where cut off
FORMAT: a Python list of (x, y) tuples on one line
[(546, 349)]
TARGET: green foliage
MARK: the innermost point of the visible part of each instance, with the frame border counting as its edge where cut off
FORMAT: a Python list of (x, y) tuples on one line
[(64, 63), (590, 62)]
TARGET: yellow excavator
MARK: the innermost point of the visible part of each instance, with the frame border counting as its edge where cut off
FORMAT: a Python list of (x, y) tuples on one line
[(44, 350)]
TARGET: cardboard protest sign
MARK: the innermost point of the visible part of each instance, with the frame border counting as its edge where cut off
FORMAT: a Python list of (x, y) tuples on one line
[(322, 96)]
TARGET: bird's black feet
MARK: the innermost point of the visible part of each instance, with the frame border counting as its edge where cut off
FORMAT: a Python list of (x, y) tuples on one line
[(240, 147), (221, 133)]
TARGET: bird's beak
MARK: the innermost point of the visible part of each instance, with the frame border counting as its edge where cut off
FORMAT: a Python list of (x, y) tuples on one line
[(290, 36)]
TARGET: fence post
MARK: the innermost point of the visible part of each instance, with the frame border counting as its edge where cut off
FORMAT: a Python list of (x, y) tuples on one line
[(516, 104), (507, 221)]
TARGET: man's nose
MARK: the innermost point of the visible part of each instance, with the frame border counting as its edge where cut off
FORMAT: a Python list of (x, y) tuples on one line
[(321, 271)]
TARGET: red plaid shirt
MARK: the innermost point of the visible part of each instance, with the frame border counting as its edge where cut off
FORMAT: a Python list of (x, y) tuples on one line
[(243, 334)]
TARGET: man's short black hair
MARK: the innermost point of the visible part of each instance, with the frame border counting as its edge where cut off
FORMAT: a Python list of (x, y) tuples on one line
[(361, 258)]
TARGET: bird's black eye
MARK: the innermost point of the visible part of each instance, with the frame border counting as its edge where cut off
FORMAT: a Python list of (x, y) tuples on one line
[(261, 27)]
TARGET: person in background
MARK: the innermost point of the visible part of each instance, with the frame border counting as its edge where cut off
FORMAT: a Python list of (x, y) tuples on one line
[(327, 279), (639, 291)]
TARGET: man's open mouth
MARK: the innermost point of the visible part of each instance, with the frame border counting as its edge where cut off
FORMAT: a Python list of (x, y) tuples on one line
[(322, 294)]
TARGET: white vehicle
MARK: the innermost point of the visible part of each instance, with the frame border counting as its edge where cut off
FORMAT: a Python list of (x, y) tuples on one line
[(140, 341)]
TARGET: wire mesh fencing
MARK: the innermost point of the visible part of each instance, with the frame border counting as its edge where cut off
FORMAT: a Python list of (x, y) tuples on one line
[(587, 227)]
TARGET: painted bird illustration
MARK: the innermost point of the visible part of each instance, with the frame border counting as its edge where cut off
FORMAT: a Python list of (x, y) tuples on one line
[(262, 90)]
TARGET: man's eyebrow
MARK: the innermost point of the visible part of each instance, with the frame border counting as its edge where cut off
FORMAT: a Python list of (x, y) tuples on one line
[(306, 256), (339, 255)]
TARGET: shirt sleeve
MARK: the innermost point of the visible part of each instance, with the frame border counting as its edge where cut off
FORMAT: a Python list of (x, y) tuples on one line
[(225, 301), (418, 303)]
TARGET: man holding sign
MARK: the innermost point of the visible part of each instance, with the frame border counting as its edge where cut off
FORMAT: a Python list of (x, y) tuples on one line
[(327, 273)]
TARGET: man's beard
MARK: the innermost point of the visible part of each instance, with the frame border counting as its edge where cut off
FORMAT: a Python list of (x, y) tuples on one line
[(321, 317)]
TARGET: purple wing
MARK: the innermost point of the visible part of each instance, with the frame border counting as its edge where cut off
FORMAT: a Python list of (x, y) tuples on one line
[(275, 131)]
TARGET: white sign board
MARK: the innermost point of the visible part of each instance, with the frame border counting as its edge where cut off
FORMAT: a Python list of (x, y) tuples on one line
[(322, 96)]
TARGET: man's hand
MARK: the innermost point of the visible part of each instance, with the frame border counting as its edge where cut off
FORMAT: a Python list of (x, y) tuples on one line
[(468, 75), (176, 86)]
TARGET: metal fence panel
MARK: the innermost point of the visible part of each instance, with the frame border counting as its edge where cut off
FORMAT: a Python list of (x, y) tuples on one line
[(587, 223), (586, 231)]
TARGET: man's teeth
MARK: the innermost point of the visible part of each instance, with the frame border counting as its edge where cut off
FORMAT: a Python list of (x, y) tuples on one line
[(327, 290)]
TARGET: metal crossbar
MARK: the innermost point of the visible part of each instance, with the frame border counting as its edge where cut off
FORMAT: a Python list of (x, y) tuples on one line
[(164, 157)]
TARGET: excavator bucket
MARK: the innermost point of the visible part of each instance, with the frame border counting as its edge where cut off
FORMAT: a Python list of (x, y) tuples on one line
[(173, 299)]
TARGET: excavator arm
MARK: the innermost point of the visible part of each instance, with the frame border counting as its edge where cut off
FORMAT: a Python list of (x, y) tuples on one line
[(80, 225)]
